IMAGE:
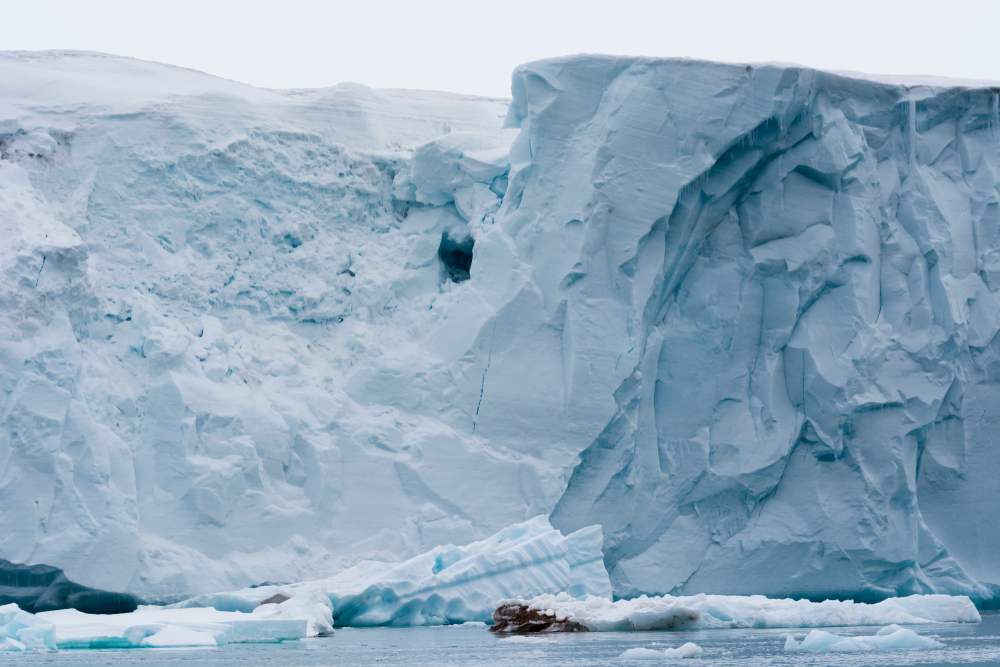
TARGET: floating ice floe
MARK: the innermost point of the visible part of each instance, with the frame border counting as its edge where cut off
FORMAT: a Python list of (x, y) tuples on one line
[(725, 611), (155, 627), (688, 650), (889, 638), (446, 585)]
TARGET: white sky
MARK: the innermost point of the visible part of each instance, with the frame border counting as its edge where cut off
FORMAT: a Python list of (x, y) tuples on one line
[(472, 46)]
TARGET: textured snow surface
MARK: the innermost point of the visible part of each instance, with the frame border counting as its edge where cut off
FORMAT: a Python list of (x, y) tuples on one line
[(745, 318), (447, 585), (686, 650), (156, 627), (889, 638), (752, 611)]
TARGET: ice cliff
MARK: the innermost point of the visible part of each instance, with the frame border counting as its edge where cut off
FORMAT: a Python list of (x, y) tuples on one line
[(745, 318)]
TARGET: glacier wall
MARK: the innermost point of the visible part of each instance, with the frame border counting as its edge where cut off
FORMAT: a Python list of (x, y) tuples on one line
[(743, 317), (806, 266)]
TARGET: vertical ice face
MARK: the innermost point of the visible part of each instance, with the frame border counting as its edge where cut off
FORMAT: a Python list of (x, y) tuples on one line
[(802, 269), (215, 303), (743, 317)]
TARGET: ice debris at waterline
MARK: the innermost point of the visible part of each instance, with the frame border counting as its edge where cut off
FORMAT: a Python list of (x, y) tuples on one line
[(552, 613), (146, 627), (22, 631), (744, 317), (889, 638), (447, 585), (686, 650)]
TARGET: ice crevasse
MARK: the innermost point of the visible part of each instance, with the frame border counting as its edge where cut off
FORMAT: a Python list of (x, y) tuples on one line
[(742, 317)]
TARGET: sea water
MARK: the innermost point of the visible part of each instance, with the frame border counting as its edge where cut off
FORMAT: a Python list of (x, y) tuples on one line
[(473, 646)]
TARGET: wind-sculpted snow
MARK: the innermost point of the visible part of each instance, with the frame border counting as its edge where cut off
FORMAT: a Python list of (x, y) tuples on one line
[(706, 612), (447, 585), (744, 318)]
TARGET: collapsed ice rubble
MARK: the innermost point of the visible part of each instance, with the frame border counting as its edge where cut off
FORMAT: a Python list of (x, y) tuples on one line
[(21, 631), (447, 585), (743, 317), (731, 611), (889, 638)]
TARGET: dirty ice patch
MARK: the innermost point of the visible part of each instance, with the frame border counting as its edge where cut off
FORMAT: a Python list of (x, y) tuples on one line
[(750, 611)]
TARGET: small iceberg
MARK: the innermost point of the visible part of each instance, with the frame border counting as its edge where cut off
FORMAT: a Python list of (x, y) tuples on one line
[(444, 586), (889, 638), (555, 613), (688, 650)]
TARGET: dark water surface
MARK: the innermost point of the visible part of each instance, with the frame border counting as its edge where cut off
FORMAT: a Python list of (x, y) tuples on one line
[(965, 644)]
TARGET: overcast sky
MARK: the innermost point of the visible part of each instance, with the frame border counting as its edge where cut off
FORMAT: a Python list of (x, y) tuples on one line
[(471, 46)]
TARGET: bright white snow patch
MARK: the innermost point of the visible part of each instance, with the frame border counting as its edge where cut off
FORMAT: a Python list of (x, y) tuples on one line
[(753, 611), (447, 585), (889, 638), (688, 650)]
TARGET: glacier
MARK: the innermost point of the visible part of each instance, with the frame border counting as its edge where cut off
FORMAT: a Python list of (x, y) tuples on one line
[(742, 317)]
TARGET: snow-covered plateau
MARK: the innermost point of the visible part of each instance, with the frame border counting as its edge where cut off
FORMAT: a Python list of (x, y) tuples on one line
[(744, 318)]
